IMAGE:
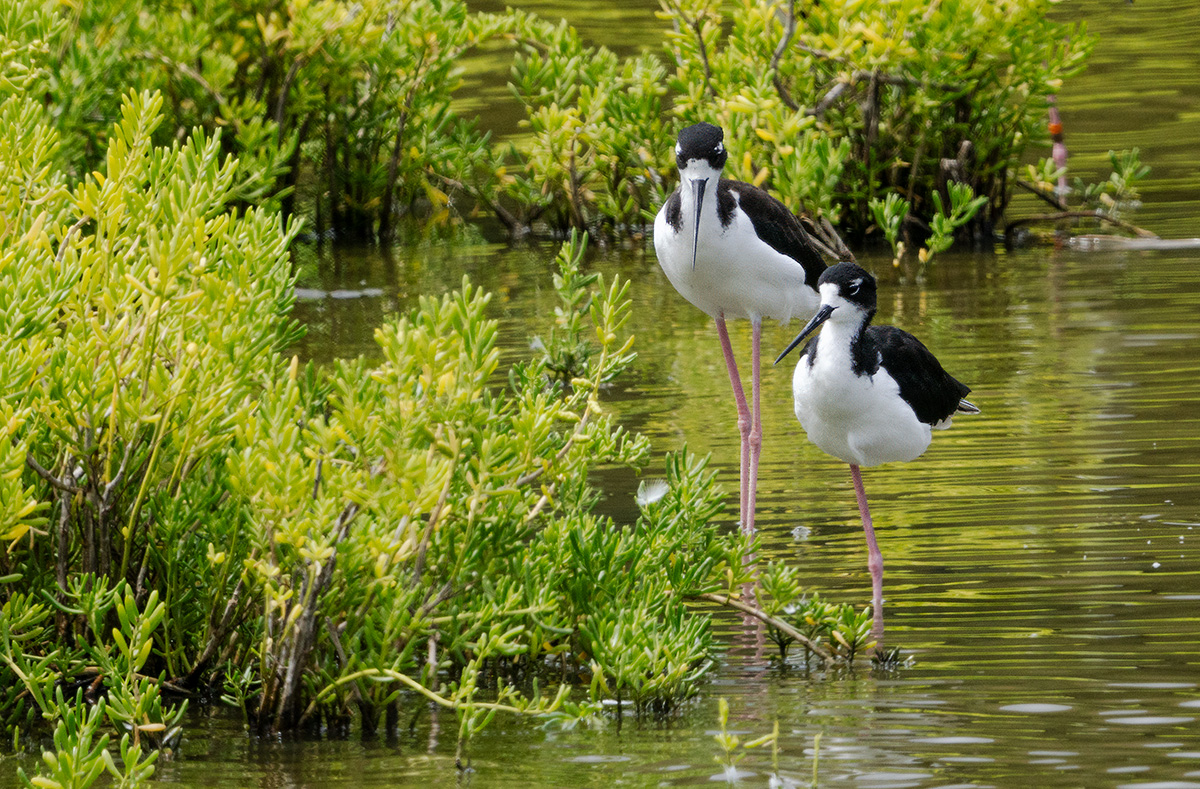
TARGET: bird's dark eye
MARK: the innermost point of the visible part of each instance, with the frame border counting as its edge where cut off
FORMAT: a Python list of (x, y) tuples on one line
[(853, 289)]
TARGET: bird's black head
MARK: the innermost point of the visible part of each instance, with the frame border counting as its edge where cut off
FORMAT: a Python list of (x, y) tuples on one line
[(701, 141), (842, 287), (853, 284)]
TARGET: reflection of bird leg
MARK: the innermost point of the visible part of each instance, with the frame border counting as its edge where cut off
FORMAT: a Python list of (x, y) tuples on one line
[(874, 557), (1058, 149)]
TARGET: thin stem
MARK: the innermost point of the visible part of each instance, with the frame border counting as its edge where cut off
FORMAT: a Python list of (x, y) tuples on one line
[(782, 626)]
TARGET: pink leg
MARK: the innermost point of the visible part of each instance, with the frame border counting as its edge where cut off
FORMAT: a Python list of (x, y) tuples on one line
[(874, 557), (755, 432), (743, 416)]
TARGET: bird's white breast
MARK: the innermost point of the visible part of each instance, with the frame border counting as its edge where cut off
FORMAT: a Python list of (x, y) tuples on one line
[(736, 274), (858, 419)]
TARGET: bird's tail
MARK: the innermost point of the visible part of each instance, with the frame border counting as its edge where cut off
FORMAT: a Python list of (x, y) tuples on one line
[(966, 407)]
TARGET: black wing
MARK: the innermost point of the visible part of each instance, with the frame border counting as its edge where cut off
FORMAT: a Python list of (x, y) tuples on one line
[(674, 213), (774, 224), (931, 391)]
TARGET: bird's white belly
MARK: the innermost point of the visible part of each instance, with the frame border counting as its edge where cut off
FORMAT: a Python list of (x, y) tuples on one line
[(736, 274), (857, 419)]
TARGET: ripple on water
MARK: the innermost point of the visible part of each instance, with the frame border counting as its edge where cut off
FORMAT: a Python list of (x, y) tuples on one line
[(1035, 708), (1152, 720), (598, 758), (882, 780)]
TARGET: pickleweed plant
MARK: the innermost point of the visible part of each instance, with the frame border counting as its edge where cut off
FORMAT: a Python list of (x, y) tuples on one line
[(346, 112), (842, 628), (912, 92), (80, 747), (944, 222), (138, 314), (1118, 193), (157, 309), (890, 213), (430, 530), (733, 749)]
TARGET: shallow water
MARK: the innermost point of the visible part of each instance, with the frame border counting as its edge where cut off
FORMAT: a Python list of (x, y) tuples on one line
[(1042, 559)]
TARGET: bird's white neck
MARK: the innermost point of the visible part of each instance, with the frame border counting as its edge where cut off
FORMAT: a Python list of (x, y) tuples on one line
[(839, 335)]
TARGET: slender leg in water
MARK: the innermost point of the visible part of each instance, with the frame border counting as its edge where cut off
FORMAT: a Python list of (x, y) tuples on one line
[(874, 557), (755, 431), (743, 423)]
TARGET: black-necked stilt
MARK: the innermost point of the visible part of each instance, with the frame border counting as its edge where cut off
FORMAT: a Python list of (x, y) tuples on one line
[(868, 394), (734, 251)]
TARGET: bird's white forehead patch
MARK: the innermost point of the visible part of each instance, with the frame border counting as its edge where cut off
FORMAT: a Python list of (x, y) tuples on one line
[(678, 149), (829, 292)]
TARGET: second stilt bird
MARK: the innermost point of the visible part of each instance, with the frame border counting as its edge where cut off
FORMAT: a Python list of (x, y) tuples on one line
[(734, 251), (868, 394)]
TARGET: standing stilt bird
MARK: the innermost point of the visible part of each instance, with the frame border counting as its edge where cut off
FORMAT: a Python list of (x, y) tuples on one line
[(868, 394), (734, 251)]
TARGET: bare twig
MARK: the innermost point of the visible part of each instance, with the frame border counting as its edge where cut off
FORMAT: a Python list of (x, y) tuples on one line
[(828, 99), (704, 58), (695, 25), (876, 78), (63, 485), (216, 636), (1082, 214), (779, 624), (333, 631), (829, 236), (304, 632), (281, 102), (62, 248), (789, 30), (64, 553), (433, 661), (196, 77), (1053, 199)]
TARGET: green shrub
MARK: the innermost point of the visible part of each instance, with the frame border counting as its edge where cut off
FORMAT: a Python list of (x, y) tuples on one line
[(321, 543), (343, 111), (334, 106), (915, 95)]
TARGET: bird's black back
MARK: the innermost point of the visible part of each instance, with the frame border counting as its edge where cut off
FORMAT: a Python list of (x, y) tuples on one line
[(774, 223), (932, 392)]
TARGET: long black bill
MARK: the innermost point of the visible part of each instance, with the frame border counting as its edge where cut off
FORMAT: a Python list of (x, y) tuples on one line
[(699, 185), (821, 316)]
